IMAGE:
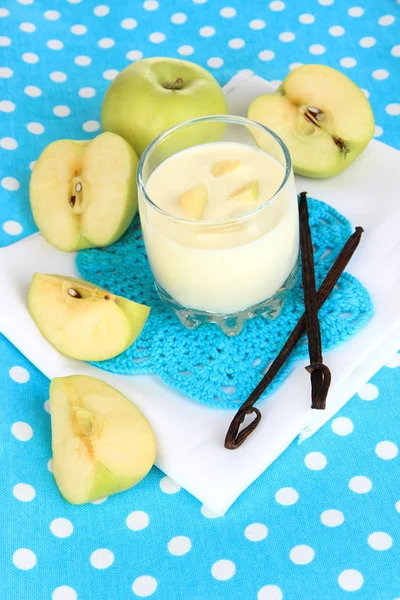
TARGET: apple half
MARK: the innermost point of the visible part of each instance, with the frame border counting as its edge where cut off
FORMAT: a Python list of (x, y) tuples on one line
[(83, 194), (324, 119), (102, 444), (81, 320)]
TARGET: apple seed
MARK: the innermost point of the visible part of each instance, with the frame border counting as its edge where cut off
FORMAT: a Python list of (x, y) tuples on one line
[(341, 144), (72, 201), (78, 187), (73, 293)]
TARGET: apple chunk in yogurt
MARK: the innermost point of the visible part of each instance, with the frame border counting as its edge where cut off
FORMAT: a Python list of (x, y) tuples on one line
[(221, 230)]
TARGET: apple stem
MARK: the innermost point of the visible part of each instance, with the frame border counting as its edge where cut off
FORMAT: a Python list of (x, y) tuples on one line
[(177, 85)]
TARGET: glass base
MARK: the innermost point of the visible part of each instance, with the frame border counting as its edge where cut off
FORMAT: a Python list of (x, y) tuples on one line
[(231, 325)]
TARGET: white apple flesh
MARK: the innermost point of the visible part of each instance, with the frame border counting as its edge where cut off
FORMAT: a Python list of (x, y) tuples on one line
[(324, 119), (102, 444), (83, 194), (82, 320)]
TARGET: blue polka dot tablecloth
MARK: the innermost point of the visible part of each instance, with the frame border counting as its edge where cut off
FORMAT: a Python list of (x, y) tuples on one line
[(323, 522)]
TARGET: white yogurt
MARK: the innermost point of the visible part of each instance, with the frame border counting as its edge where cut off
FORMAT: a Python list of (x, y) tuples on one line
[(240, 253)]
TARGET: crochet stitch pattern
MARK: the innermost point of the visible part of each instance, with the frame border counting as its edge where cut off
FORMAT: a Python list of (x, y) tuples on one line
[(204, 364)]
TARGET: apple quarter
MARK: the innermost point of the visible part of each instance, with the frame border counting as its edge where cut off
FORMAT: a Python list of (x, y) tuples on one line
[(220, 222)]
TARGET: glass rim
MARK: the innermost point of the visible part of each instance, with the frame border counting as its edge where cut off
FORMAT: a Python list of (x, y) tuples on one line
[(233, 119)]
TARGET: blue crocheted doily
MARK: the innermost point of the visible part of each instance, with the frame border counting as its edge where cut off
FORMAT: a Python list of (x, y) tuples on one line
[(205, 364)]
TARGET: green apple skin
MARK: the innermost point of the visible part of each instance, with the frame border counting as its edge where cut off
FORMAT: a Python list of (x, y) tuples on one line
[(102, 444), (139, 105)]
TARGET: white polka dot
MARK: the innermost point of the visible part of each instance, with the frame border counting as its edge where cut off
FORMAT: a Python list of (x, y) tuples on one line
[(101, 11), (4, 12), (6, 72), (52, 15), (378, 131), (215, 62), (342, 426), (129, 24), (50, 465), (394, 362), (33, 91), (4, 40), (227, 12), (35, 128), (168, 486), (185, 50), (32, 164), (294, 66), (12, 227), (306, 19), (82, 61), (24, 559), (62, 111), (315, 461), (22, 431), (379, 540), (286, 36), (134, 55), (46, 406), (8, 143), (19, 374), (256, 532), (223, 570), (74, 1), (365, 92), (266, 55), (302, 555), (64, 592), (179, 545), (91, 126), (61, 528), (395, 51), (58, 76), (360, 484), (10, 183), (236, 43), (316, 49), (356, 11), (137, 520), (78, 29), (386, 450), (87, 92), (270, 592), (367, 42), (257, 24), (106, 43), (99, 500), (24, 492), (332, 517), (101, 558), (277, 5), (7, 106), (393, 109), (336, 30), (27, 27), (386, 20), (287, 496), (157, 37), (380, 74), (30, 57), (368, 392), (207, 31), (350, 580), (144, 586), (110, 74), (206, 512), (398, 506), (150, 5), (325, 2), (199, 1), (55, 45)]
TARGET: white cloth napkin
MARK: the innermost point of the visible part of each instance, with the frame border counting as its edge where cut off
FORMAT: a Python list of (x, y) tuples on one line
[(190, 436)]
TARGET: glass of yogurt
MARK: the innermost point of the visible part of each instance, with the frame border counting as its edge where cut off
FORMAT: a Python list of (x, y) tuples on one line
[(219, 215)]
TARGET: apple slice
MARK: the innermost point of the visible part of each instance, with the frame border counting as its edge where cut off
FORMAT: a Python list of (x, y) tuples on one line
[(321, 115), (224, 166), (194, 202), (249, 191), (82, 320), (83, 194), (102, 444)]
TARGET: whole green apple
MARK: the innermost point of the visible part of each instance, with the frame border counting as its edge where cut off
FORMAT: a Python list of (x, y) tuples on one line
[(154, 94)]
